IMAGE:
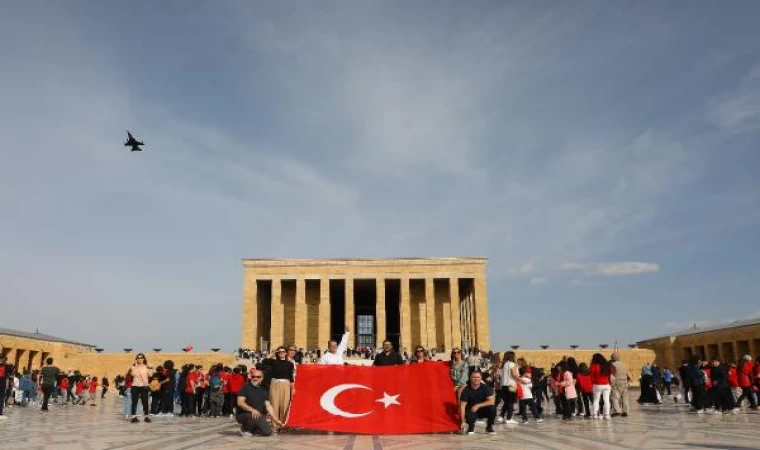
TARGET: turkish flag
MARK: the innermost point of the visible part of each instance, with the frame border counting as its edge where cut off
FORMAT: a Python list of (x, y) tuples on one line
[(414, 398)]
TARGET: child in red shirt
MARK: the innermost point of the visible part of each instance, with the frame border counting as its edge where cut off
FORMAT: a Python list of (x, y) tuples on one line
[(586, 387), (64, 390), (92, 387), (79, 391)]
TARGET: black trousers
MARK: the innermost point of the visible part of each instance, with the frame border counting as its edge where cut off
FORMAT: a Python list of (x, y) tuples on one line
[(526, 404), (254, 426), (103, 392), (188, 403), (155, 402), (140, 393), (588, 401), (747, 393), (568, 406), (199, 393), (167, 399), (698, 397), (509, 399), (486, 412), (47, 390), (228, 402), (538, 393)]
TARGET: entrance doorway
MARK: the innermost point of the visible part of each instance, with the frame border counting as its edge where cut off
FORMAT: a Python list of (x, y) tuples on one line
[(365, 292)]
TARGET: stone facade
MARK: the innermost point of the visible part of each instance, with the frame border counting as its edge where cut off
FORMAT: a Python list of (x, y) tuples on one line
[(434, 302), (29, 351), (727, 342)]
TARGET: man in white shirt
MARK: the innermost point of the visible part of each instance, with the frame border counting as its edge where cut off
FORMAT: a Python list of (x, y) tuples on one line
[(334, 353)]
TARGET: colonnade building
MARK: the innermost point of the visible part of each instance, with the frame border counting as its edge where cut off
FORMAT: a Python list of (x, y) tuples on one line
[(438, 303), (727, 342)]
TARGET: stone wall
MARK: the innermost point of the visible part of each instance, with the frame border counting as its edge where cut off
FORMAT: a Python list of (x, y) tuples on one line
[(26, 353), (113, 364)]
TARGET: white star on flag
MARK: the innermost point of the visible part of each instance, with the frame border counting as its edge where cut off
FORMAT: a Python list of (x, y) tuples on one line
[(388, 400)]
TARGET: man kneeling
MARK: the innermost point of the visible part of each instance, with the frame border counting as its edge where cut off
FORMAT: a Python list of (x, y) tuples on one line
[(477, 401), (253, 407)]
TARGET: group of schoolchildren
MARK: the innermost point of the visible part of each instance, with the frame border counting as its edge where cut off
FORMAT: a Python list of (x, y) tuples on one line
[(72, 388), (199, 393), (720, 388)]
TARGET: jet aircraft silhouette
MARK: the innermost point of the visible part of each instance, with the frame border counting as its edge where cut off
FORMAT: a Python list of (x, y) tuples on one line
[(134, 143)]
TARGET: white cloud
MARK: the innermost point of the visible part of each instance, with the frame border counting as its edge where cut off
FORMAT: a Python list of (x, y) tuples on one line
[(738, 110), (572, 266), (612, 268), (538, 280), (522, 270), (626, 268)]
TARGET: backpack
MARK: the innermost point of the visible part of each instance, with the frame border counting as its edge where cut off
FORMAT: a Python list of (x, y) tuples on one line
[(215, 381)]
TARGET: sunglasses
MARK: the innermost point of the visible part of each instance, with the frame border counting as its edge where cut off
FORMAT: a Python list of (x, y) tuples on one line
[(256, 377)]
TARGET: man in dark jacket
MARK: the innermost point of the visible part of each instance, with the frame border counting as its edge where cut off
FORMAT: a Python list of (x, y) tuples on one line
[(723, 400), (388, 357), (683, 375), (697, 382)]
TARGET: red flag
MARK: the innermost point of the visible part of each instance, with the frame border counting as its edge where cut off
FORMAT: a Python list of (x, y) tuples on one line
[(415, 398)]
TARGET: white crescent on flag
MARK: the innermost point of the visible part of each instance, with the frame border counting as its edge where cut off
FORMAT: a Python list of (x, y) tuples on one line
[(327, 401)]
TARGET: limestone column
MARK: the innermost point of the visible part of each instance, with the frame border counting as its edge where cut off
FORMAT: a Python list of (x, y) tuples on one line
[(277, 329), (380, 312), (250, 313), (350, 322), (430, 312), (482, 327), (301, 313), (456, 321), (406, 316), (324, 313), (446, 314)]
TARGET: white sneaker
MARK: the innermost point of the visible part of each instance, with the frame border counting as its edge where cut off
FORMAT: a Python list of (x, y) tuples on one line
[(499, 419), (606, 417), (3, 417), (511, 422), (245, 434), (539, 420), (700, 411)]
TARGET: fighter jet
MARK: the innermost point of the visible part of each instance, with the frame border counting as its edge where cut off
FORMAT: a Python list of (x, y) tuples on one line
[(134, 143)]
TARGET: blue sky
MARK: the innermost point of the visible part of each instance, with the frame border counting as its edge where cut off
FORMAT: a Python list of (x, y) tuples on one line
[(603, 155)]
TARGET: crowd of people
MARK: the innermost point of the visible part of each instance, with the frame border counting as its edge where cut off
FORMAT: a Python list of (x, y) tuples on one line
[(491, 387), (47, 384)]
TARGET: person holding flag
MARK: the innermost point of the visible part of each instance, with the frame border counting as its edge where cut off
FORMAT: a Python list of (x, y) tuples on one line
[(334, 353)]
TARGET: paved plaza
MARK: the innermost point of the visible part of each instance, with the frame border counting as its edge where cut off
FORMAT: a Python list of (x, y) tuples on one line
[(669, 426)]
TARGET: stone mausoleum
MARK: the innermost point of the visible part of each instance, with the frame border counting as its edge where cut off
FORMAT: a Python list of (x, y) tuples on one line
[(438, 303)]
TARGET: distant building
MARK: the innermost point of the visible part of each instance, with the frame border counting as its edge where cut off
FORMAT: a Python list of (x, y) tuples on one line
[(29, 350), (728, 342)]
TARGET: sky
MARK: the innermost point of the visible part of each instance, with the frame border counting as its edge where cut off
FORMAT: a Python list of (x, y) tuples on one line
[(603, 156)]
